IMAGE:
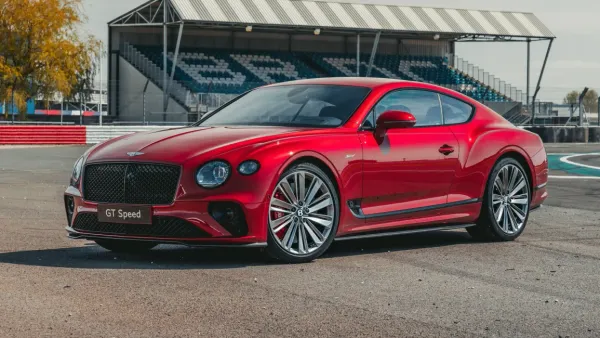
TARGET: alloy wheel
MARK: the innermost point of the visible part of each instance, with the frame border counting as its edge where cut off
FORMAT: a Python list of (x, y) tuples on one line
[(510, 199), (301, 213)]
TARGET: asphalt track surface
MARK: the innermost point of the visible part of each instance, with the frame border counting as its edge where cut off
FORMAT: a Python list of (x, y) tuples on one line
[(545, 284)]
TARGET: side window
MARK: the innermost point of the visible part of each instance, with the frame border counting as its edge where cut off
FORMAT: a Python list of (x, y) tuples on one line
[(455, 111), (424, 105)]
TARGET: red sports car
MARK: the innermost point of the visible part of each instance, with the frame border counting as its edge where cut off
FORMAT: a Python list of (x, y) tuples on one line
[(294, 166)]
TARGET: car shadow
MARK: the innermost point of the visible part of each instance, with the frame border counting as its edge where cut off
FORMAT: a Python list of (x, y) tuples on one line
[(169, 257), (397, 243)]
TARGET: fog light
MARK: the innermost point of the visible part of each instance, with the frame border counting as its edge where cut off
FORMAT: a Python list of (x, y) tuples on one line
[(230, 216), (248, 167)]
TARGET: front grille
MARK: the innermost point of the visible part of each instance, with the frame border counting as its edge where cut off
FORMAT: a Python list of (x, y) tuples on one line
[(130, 183), (161, 227)]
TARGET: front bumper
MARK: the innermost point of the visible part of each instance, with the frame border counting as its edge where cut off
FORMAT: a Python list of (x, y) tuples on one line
[(189, 213)]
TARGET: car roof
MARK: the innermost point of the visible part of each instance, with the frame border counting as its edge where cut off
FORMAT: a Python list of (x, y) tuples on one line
[(369, 82), (377, 82)]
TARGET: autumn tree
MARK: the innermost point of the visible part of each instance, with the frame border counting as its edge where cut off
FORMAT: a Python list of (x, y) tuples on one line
[(41, 53), (590, 100), (571, 97)]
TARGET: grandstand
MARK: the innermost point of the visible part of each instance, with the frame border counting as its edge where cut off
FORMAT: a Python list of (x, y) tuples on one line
[(188, 56)]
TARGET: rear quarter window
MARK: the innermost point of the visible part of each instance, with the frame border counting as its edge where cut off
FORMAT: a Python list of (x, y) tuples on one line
[(455, 111)]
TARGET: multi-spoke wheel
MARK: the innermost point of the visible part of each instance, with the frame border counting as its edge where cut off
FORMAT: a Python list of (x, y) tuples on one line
[(506, 202), (303, 214)]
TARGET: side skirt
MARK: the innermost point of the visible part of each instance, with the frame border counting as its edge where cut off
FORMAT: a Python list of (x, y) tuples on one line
[(403, 232), (354, 206)]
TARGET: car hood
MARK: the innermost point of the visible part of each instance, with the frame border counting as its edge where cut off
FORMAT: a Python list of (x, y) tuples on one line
[(180, 144)]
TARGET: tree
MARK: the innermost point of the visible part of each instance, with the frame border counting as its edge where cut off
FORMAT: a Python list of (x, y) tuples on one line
[(571, 97), (41, 53), (590, 100)]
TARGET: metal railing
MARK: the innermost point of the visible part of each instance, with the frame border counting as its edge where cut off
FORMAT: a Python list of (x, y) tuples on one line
[(487, 79), (155, 73)]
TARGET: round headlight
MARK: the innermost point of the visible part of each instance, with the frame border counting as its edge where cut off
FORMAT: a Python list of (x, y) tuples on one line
[(213, 174), (77, 170), (248, 167)]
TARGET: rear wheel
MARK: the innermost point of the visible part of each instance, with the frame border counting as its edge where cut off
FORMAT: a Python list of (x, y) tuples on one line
[(505, 208), (303, 214), (125, 246)]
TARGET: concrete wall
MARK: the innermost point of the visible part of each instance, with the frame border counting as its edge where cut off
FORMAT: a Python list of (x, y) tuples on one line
[(562, 134), (131, 98)]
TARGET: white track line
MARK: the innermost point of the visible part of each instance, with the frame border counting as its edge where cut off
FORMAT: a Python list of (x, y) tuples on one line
[(567, 159), (556, 177)]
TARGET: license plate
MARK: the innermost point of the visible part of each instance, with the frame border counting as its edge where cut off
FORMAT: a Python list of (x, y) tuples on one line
[(129, 214)]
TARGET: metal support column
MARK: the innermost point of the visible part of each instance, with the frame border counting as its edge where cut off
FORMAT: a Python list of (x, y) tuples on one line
[(537, 87), (144, 101), (598, 111), (528, 69), (164, 82), (581, 106), (175, 57), (12, 104), (373, 53), (357, 54), (100, 99)]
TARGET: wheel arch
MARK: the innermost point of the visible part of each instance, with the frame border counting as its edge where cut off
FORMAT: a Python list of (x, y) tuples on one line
[(318, 160), (523, 161), (494, 145)]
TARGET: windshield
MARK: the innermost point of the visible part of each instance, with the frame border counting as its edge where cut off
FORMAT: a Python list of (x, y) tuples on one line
[(291, 105)]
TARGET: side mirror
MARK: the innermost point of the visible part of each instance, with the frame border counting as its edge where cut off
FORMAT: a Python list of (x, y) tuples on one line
[(394, 119)]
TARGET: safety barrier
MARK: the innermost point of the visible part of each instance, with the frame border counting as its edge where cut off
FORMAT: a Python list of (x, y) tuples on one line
[(65, 135), (42, 135), (567, 134)]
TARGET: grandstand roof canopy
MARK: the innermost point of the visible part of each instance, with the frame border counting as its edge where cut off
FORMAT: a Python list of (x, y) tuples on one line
[(339, 16)]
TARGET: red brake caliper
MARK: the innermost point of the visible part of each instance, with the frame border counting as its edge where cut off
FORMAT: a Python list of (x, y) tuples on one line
[(276, 214)]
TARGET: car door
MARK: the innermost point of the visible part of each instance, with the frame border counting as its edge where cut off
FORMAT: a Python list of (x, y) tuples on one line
[(412, 169)]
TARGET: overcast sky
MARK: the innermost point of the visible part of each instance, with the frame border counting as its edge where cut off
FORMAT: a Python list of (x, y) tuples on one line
[(574, 61)]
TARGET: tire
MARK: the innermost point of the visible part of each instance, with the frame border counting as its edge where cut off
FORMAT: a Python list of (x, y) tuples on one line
[(295, 233), (498, 204), (125, 246)]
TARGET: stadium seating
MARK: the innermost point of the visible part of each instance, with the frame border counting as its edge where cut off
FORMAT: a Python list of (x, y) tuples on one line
[(234, 72), (415, 68)]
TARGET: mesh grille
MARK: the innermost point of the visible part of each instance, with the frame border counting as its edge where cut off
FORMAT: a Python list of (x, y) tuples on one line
[(165, 227), (130, 183)]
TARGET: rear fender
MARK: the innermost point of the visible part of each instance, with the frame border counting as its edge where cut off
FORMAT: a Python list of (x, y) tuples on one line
[(480, 157)]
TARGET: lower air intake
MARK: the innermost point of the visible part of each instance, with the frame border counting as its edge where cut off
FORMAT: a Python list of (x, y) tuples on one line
[(161, 227)]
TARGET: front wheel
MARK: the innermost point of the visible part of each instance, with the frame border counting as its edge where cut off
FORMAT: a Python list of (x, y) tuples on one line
[(125, 246), (303, 214), (505, 208)]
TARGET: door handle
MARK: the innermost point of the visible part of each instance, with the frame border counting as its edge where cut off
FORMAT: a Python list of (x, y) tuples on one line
[(446, 149)]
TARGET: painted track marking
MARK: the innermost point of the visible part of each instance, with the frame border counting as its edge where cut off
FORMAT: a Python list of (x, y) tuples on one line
[(567, 159)]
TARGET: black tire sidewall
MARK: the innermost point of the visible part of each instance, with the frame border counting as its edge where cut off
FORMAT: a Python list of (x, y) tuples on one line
[(495, 227), (273, 246)]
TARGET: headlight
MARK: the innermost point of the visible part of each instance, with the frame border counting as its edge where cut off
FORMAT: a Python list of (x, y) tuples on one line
[(213, 174), (248, 167), (77, 171)]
